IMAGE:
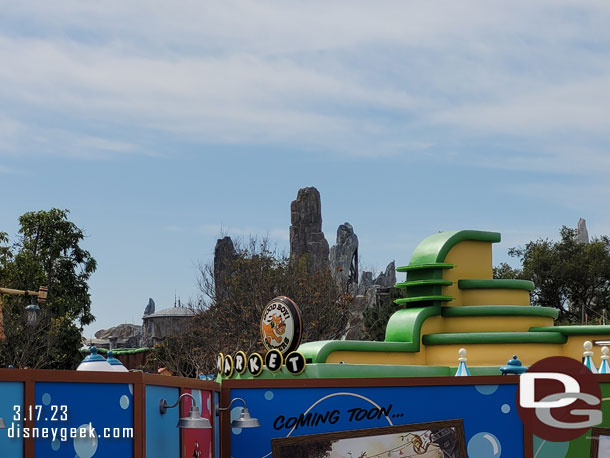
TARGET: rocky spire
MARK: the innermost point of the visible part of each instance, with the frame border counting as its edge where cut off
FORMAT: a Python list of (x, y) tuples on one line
[(224, 256), (306, 236), (342, 254), (150, 308), (582, 235), (387, 279)]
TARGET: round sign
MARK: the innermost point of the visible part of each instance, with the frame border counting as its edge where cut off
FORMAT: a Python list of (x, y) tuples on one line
[(558, 399), (240, 362), (281, 325), (255, 364), (274, 360), (295, 363), (228, 369)]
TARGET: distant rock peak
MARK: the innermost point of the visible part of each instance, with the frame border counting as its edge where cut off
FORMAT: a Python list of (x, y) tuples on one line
[(582, 235), (344, 255), (150, 308), (306, 236)]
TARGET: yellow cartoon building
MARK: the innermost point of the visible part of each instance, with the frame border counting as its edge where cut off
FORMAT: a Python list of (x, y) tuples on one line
[(451, 302)]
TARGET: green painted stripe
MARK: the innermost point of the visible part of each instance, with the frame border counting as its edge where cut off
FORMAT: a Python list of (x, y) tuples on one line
[(435, 265), (406, 300), (574, 330), (338, 370), (435, 247), (408, 284), (360, 371), (496, 284), (460, 338), (499, 310)]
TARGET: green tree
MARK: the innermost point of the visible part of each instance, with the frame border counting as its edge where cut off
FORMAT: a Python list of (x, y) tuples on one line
[(570, 276), (505, 270), (228, 320), (47, 252)]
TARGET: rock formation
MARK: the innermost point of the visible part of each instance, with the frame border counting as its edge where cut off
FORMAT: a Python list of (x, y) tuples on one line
[(123, 336), (224, 256), (582, 235), (366, 281), (306, 236), (355, 324), (344, 255), (387, 279), (150, 308)]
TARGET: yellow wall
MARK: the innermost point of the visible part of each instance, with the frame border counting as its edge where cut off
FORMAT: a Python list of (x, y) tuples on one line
[(478, 354), (490, 354), (438, 324), (494, 297), (574, 347), (472, 260)]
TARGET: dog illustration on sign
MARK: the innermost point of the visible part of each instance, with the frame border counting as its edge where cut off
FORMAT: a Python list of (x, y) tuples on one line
[(274, 329)]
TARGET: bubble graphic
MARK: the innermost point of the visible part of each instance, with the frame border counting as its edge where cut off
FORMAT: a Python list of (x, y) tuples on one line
[(124, 402), (46, 399), (130, 388), (268, 395), (209, 403), (486, 389), (85, 447), (235, 413), (505, 408), (55, 444), (484, 445)]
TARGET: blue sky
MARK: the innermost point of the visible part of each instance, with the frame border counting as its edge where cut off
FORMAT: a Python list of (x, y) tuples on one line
[(159, 123)]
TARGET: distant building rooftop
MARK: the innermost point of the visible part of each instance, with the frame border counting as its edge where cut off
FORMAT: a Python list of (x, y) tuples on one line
[(171, 311)]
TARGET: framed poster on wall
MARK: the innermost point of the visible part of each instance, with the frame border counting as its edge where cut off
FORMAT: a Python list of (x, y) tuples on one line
[(439, 439), (600, 442)]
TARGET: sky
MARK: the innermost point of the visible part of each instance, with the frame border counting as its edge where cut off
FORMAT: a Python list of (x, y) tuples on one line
[(162, 125)]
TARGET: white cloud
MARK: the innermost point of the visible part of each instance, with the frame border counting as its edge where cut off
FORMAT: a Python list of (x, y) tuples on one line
[(356, 78)]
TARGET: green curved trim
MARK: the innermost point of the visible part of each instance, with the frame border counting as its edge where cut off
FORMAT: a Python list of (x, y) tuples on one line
[(582, 330), (403, 330), (435, 247), (496, 284), (436, 265), (460, 338), (406, 284), (500, 310), (406, 300), (319, 351), (405, 325)]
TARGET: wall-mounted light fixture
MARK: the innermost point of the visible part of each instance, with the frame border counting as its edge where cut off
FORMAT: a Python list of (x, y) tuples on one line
[(194, 419), (244, 420), (32, 309)]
